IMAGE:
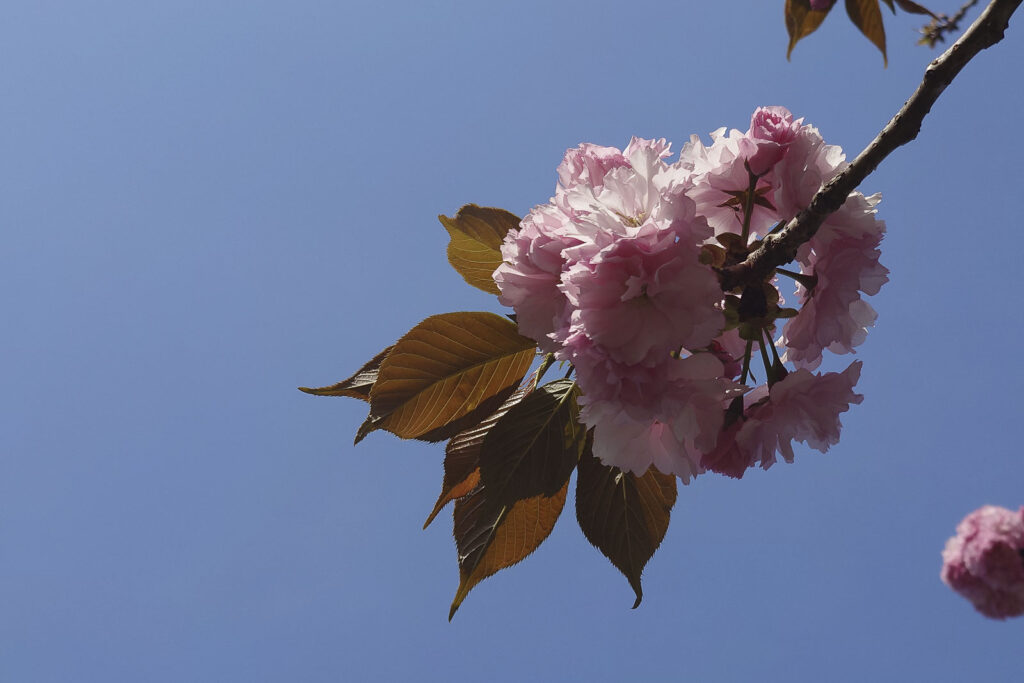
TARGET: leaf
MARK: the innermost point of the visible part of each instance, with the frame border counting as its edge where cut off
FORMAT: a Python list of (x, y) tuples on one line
[(476, 235), (470, 419), (490, 538), (802, 21), (892, 7), (867, 16), (444, 369), (356, 386), (623, 515), (462, 455), (913, 8), (534, 447)]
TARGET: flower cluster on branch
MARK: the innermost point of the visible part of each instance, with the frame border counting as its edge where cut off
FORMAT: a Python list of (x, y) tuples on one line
[(618, 275)]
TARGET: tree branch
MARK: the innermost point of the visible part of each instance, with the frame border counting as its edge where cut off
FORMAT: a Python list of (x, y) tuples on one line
[(781, 248)]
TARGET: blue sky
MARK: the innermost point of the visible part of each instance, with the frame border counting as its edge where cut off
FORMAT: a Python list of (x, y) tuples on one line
[(208, 204)]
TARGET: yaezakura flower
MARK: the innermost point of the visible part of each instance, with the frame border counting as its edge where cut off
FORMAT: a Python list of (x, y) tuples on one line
[(666, 415), (616, 275), (642, 297), (530, 275), (984, 562), (801, 407), (842, 258)]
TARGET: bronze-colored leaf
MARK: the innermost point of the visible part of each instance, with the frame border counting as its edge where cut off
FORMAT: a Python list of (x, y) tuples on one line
[(476, 235), (623, 515), (356, 386), (913, 8), (866, 15), (470, 419), (462, 455), (444, 369), (534, 447), (490, 538), (802, 21)]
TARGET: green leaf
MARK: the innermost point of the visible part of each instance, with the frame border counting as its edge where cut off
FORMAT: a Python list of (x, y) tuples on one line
[(356, 386), (462, 455), (623, 515), (534, 447), (476, 235), (444, 369), (489, 538), (802, 21), (866, 15)]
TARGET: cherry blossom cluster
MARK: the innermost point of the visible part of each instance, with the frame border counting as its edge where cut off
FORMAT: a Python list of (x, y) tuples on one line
[(984, 562), (618, 274)]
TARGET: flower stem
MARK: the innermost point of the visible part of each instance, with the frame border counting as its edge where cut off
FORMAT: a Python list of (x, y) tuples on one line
[(748, 206), (764, 359), (747, 352), (549, 359)]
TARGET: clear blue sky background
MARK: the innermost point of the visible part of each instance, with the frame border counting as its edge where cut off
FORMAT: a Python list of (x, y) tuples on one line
[(207, 204)]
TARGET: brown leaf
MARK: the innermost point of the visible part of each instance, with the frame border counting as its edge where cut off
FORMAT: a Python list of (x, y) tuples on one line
[(534, 447), (623, 515), (914, 8), (470, 419), (802, 21), (490, 538), (444, 369), (356, 386), (462, 455), (476, 235), (867, 16)]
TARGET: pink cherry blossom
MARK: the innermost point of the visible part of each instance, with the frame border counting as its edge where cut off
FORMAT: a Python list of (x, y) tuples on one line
[(843, 257), (588, 164), (808, 164), (729, 348), (664, 416), (643, 297), (801, 407), (772, 130), (720, 176), (529, 276), (984, 562)]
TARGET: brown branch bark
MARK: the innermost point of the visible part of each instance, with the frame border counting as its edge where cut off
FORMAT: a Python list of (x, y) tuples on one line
[(781, 248)]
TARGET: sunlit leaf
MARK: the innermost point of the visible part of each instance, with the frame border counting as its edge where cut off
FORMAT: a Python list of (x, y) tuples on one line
[(534, 447), (802, 21), (356, 386), (443, 369), (462, 455), (623, 515), (490, 538), (470, 419), (476, 235), (867, 16)]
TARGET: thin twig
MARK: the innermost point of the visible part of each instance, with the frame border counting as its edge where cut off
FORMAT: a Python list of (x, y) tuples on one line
[(781, 248), (935, 31)]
